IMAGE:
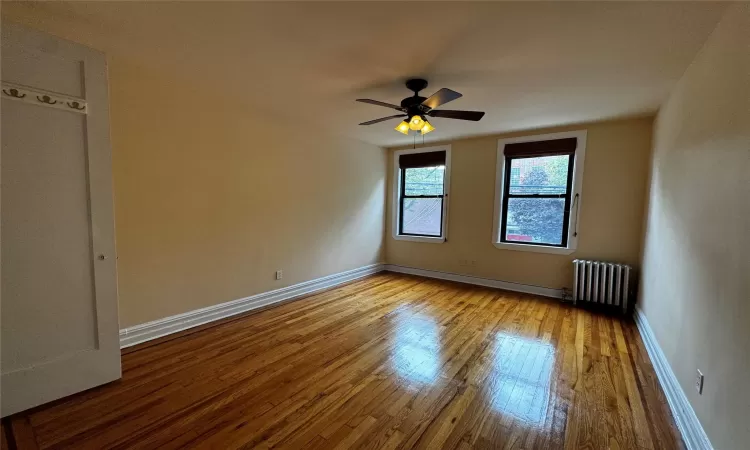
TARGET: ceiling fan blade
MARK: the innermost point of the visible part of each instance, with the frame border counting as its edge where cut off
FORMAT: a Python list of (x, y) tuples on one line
[(375, 102), (382, 119), (441, 97), (453, 114)]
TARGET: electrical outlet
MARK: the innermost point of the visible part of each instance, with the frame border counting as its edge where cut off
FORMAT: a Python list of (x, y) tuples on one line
[(699, 382), (279, 274)]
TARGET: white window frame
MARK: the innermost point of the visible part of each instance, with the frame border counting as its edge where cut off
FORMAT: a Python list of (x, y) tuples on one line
[(576, 195), (396, 186)]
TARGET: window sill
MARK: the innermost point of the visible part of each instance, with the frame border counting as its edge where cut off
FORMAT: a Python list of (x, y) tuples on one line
[(430, 240), (534, 248)]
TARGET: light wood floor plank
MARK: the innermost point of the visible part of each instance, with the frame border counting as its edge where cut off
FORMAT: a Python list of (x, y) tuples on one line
[(390, 361)]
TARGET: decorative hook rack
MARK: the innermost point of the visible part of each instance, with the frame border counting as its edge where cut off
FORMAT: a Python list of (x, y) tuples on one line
[(38, 97)]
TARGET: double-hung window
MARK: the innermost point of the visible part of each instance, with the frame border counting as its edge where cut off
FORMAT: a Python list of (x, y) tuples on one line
[(538, 198), (421, 194)]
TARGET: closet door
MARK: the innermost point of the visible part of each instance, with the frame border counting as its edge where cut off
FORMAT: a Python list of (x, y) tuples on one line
[(58, 273)]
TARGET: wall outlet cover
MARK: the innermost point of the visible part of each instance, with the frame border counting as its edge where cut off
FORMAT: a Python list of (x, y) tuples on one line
[(699, 382), (279, 274)]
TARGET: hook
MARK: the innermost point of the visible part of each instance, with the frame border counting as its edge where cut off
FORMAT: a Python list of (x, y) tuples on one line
[(46, 99), (76, 105), (14, 93)]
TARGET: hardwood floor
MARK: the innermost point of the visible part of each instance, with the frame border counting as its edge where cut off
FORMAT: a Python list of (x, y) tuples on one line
[(390, 361)]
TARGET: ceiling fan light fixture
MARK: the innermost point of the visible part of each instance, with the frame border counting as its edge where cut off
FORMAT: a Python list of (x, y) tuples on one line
[(416, 123), (416, 109), (403, 127)]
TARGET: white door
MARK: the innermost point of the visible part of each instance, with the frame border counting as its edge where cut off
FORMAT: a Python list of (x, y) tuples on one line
[(59, 285)]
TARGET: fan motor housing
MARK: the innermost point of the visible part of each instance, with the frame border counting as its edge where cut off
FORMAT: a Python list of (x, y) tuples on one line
[(413, 104)]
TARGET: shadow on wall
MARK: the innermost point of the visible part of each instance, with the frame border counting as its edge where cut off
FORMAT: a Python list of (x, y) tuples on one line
[(695, 287), (211, 198)]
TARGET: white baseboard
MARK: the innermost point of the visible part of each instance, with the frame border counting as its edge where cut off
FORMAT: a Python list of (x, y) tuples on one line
[(151, 330), (138, 334), (507, 285), (690, 427)]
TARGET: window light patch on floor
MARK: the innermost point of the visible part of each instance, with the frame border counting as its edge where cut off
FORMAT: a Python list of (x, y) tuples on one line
[(417, 348), (523, 370)]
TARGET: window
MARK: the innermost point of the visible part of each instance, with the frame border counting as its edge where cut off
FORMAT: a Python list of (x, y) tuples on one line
[(538, 198), (421, 194)]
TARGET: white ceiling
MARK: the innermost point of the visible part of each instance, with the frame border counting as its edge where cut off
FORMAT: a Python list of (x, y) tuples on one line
[(526, 64)]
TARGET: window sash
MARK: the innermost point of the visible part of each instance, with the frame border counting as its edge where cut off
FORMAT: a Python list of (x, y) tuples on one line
[(566, 208), (402, 197)]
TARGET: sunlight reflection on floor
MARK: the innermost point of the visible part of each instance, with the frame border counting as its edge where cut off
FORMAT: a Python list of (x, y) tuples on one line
[(522, 373), (519, 381), (416, 354)]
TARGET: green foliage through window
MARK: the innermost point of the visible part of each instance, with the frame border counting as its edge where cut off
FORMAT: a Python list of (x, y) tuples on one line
[(538, 215)]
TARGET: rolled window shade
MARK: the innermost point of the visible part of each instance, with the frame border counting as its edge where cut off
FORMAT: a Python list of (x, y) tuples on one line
[(565, 146), (428, 159)]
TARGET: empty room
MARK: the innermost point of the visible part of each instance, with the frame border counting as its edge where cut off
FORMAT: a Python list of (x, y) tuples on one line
[(381, 225)]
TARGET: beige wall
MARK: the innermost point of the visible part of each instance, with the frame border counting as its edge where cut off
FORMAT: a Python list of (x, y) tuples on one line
[(696, 288), (212, 197), (612, 204)]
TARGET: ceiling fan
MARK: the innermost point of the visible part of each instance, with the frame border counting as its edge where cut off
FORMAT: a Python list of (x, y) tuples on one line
[(416, 108)]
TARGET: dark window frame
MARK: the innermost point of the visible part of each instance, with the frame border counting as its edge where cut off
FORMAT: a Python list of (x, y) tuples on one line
[(507, 195), (402, 196)]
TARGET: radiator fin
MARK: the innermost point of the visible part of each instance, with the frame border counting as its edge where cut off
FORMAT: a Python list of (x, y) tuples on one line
[(601, 282)]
